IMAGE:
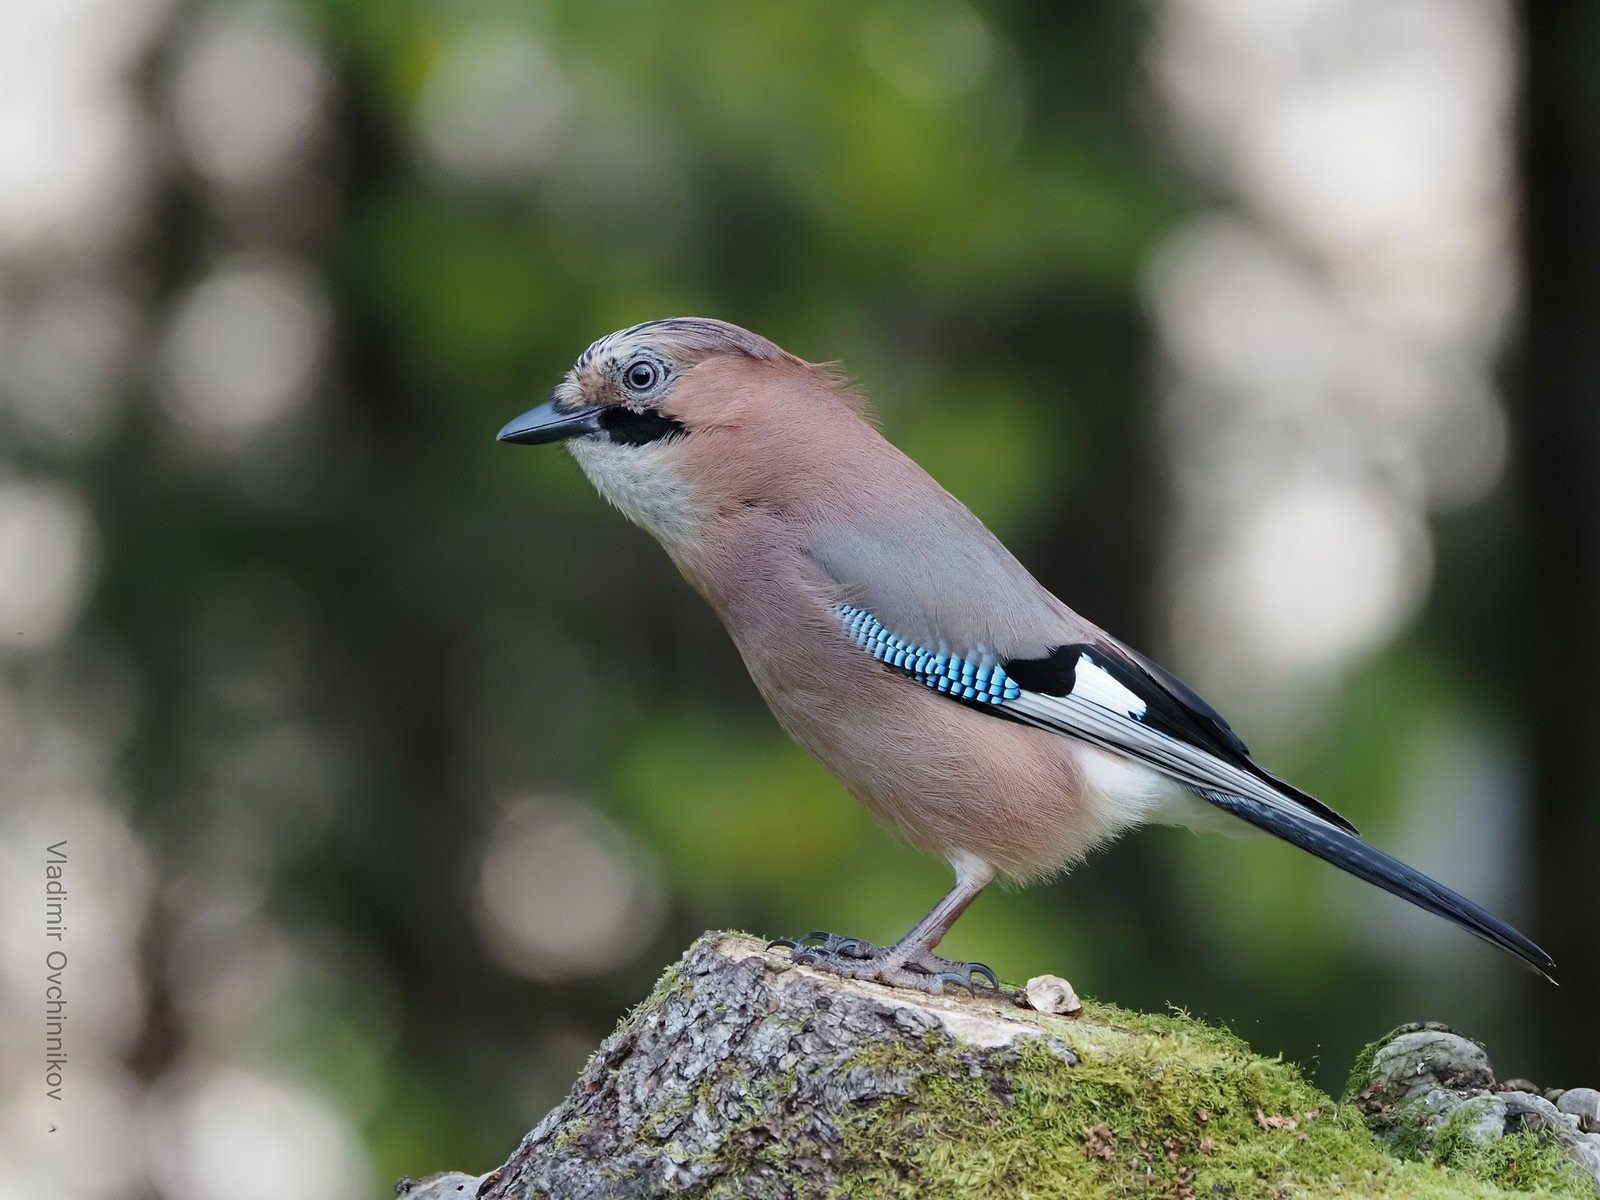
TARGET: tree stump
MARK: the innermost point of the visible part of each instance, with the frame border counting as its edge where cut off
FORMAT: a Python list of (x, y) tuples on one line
[(745, 1075)]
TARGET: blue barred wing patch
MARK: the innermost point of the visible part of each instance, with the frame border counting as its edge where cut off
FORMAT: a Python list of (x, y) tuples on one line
[(980, 679)]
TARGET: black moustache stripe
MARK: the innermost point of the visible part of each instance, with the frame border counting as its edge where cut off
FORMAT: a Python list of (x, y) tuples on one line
[(625, 427)]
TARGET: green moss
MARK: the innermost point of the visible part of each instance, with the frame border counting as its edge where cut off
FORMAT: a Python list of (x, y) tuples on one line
[(673, 981), (1156, 1105), (1361, 1069), (1518, 1160), (1409, 1136), (1187, 1109)]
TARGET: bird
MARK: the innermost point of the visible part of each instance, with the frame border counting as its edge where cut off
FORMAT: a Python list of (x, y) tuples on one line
[(904, 647)]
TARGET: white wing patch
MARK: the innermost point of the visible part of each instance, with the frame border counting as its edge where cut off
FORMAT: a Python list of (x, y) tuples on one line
[(1112, 728), (1094, 683)]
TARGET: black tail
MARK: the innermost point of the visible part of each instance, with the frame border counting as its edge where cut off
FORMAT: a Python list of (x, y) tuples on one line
[(1350, 853)]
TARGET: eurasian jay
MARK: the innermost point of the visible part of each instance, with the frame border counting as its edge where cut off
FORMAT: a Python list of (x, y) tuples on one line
[(902, 645)]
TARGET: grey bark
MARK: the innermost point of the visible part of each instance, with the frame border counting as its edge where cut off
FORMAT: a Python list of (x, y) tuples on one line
[(734, 1051)]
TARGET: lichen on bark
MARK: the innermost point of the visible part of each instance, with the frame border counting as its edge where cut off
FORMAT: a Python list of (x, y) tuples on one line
[(744, 1075)]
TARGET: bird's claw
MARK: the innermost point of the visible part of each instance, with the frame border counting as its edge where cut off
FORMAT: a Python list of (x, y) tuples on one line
[(798, 943), (857, 959), (828, 944), (978, 968), (965, 975)]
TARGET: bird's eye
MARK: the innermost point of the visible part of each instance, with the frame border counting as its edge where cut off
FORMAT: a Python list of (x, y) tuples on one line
[(641, 376)]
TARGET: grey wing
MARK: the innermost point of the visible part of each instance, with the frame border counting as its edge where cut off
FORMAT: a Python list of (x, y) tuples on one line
[(934, 580), (936, 576)]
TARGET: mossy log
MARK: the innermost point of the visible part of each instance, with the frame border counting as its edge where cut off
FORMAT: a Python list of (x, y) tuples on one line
[(745, 1075)]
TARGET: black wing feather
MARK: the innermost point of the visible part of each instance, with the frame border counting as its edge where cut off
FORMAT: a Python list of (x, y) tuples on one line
[(1172, 707), (1198, 707), (1393, 876)]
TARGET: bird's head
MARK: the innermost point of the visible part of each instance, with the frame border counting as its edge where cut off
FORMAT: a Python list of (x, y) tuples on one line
[(678, 418)]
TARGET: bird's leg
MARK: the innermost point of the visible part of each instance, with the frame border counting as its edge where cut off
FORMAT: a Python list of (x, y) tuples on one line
[(915, 950), (910, 962)]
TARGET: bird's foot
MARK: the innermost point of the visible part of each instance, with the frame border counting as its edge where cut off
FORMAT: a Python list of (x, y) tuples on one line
[(819, 944), (897, 966)]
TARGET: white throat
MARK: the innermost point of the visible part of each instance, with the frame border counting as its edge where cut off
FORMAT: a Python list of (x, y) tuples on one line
[(643, 484)]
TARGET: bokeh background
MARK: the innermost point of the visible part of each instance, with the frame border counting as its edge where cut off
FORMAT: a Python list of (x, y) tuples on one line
[(394, 766)]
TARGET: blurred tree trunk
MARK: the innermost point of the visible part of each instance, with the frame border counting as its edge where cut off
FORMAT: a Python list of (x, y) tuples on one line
[(1556, 428)]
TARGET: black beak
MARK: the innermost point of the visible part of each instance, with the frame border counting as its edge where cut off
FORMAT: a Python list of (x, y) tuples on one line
[(547, 423)]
